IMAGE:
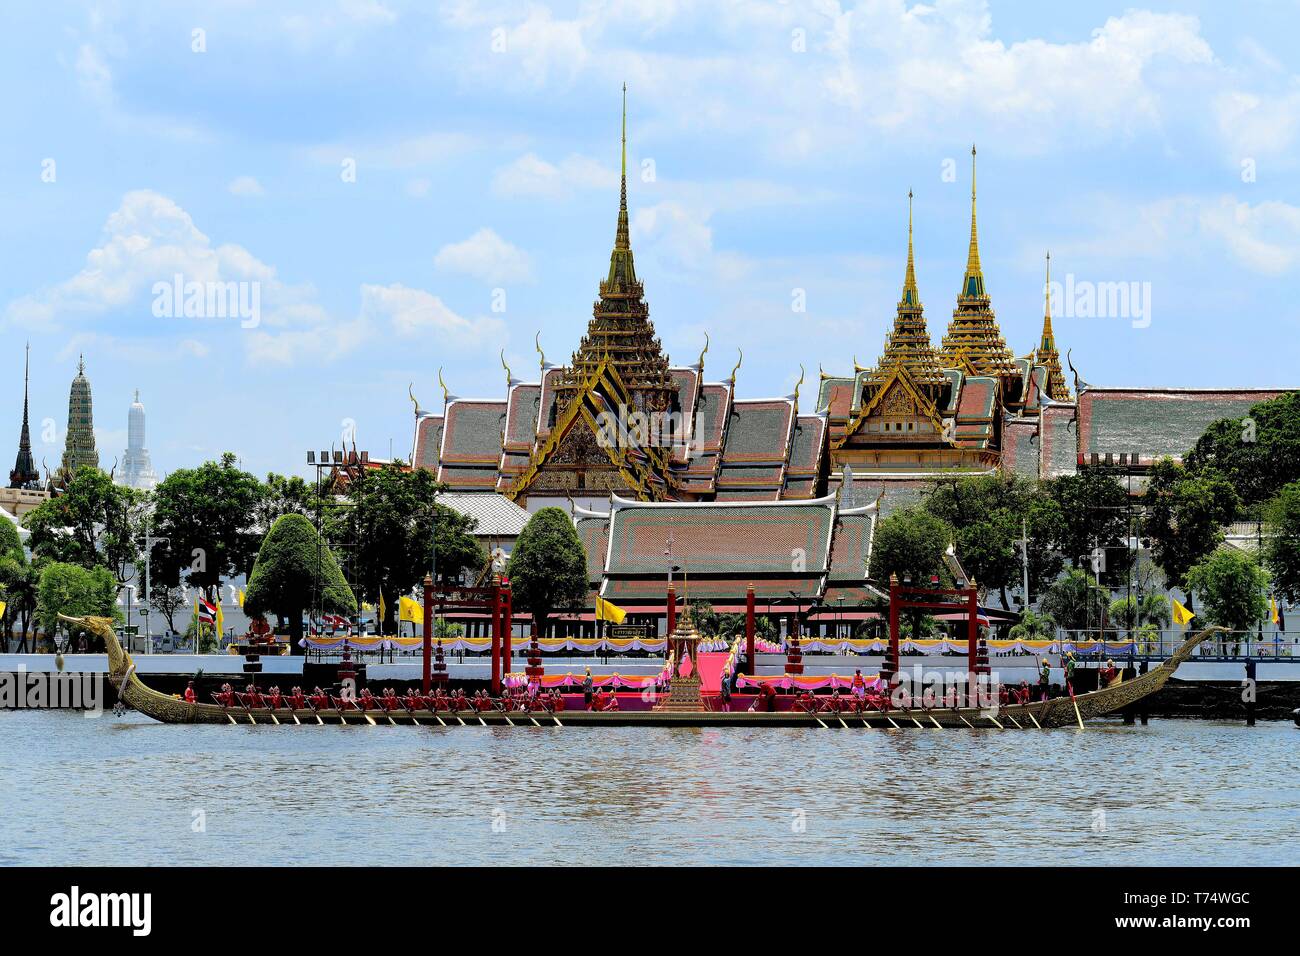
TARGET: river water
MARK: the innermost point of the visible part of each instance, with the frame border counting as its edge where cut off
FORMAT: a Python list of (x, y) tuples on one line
[(127, 790)]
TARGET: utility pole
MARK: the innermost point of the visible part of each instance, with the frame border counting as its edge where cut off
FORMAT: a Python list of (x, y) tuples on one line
[(1024, 557), (149, 542)]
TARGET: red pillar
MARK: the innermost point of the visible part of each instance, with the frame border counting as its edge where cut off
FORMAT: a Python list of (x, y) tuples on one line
[(672, 609), (972, 641), (507, 628), (496, 635), (428, 631), (890, 668), (749, 630)]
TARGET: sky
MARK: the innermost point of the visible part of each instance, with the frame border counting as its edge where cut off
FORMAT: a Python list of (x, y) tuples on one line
[(397, 188)]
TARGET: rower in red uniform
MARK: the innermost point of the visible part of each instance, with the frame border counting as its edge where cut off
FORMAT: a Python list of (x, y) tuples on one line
[(190, 696), (367, 700), (226, 696), (251, 696), (557, 700), (319, 699), (296, 699), (274, 698)]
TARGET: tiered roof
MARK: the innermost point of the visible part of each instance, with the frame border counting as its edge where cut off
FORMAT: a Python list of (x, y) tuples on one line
[(620, 327), (974, 341), (908, 345)]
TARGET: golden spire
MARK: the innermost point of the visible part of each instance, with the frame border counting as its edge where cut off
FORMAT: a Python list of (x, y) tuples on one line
[(622, 240), (1046, 354), (973, 282), (1047, 306), (622, 272), (910, 294)]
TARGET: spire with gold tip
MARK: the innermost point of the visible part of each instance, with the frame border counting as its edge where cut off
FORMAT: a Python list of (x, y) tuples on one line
[(908, 345), (974, 342), (1046, 354), (620, 329)]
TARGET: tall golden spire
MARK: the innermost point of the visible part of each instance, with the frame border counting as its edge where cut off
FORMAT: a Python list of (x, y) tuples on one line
[(910, 294), (973, 283), (622, 271), (620, 329), (973, 341), (1046, 354), (908, 345)]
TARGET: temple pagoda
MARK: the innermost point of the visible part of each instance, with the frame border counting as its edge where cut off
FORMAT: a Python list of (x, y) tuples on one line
[(24, 474), (1046, 354), (974, 343), (79, 449)]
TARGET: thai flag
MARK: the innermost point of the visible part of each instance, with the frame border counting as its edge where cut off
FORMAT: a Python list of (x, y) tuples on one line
[(982, 619), (207, 612)]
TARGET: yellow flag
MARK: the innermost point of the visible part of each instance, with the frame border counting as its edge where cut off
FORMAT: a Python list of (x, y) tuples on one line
[(1272, 601), (3, 605), (221, 619), (1181, 614), (409, 610), (383, 609), (239, 596), (609, 612)]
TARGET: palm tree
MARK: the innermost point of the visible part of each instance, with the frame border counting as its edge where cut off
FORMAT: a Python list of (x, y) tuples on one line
[(1075, 601), (1032, 626)]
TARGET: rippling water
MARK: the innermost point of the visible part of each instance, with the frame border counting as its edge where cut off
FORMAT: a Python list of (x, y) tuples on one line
[(129, 791)]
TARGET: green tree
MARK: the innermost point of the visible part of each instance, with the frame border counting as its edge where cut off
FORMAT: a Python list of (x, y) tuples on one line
[(1258, 454), (10, 542), (548, 567), (291, 564), (285, 495), (385, 535), (1075, 601), (1282, 548), (1032, 626), (989, 514), (209, 516), (1233, 589), (911, 544), (1131, 613), (1092, 509), (94, 523), (19, 584), (707, 621), (73, 590), (167, 599), (1186, 512)]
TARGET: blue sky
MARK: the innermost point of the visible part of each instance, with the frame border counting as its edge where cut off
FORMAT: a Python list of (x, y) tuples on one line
[(771, 148)]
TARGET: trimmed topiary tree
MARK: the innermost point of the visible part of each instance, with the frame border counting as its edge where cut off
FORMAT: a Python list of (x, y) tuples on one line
[(548, 567), (290, 563)]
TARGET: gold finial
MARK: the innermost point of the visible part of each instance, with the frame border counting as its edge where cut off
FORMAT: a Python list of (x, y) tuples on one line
[(410, 390), (510, 379), (973, 283), (911, 296), (622, 240), (81, 364), (446, 393), (738, 362), (703, 352), (537, 344), (1047, 303), (795, 396)]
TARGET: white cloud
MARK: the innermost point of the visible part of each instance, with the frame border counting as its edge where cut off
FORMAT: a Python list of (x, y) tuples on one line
[(486, 256), (679, 236), (414, 312), (532, 176), (1264, 237), (94, 75), (245, 186)]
